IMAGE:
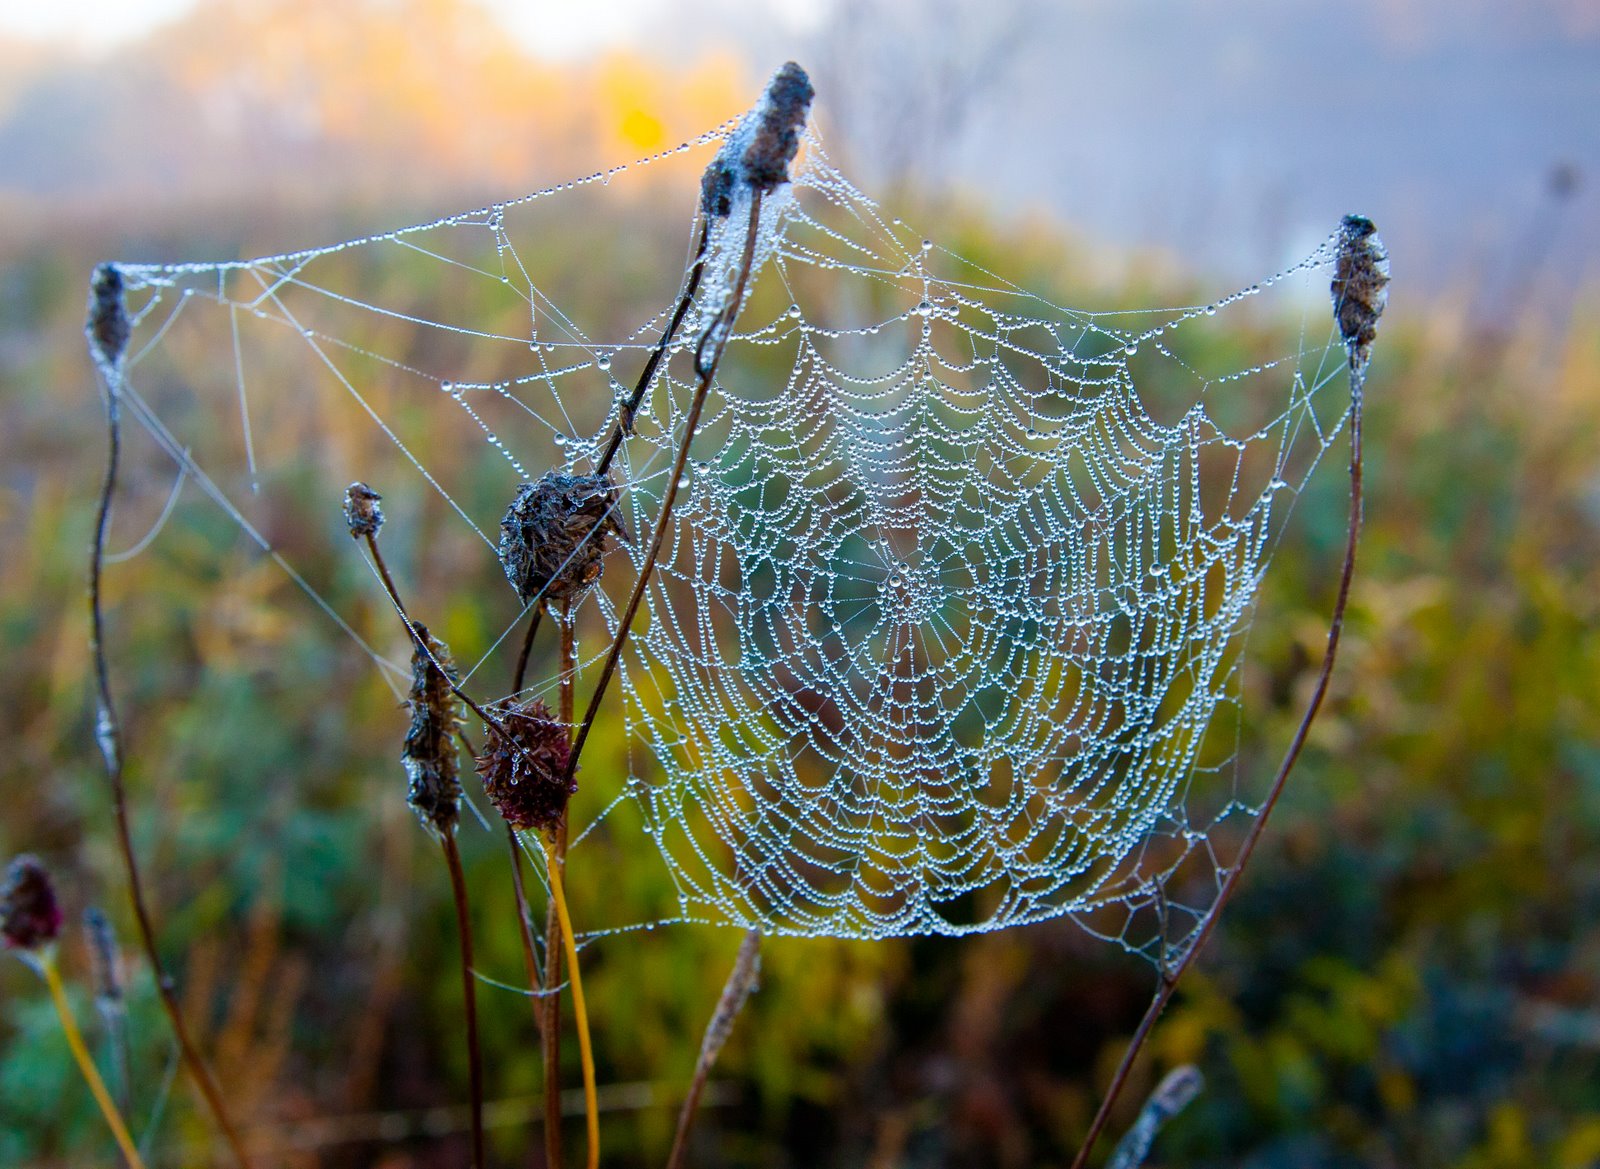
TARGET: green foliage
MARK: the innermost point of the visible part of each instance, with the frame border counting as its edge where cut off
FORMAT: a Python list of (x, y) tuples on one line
[(1406, 978)]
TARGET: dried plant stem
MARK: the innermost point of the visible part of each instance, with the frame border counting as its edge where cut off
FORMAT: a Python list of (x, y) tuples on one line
[(552, 927), (591, 1106), (469, 991), (80, 1053), (1170, 976), (109, 733), (735, 992), (521, 670), (405, 618), (530, 957), (691, 286), (708, 371)]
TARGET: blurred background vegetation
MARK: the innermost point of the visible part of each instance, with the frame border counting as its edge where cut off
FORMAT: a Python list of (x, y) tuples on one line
[(1411, 976)]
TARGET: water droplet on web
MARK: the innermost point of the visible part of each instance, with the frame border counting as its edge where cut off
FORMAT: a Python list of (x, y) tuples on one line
[(1211, 310), (561, 440), (794, 311), (927, 245), (603, 361), (448, 387), (683, 482)]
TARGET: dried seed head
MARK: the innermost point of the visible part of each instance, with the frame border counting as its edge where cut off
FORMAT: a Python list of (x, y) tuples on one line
[(553, 536), (1360, 286), (108, 326), (362, 512), (524, 766), (780, 118), (30, 917), (759, 152), (429, 754)]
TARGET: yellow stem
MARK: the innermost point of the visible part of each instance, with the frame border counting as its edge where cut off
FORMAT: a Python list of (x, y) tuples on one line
[(590, 1105), (86, 1065)]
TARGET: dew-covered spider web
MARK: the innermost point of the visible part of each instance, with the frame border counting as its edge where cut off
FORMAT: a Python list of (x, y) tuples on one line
[(947, 633)]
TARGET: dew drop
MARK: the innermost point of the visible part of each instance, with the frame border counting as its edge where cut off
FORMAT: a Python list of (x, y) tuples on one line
[(927, 245), (603, 361), (794, 311)]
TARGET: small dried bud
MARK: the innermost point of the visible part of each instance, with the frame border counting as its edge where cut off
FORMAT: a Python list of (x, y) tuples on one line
[(108, 326), (429, 754), (781, 117), (524, 766), (362, 512), (1360, 286), (759, 152), (30, 917), (553, 536)]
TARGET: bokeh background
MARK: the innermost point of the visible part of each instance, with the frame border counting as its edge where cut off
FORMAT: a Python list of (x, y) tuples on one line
[(1410, 976)]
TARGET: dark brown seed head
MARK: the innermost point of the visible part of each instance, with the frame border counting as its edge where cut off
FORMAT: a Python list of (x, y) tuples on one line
[(30, 916), (362, 512), (553, 537), (524, 766), (108, 326), (759, 153), (1360, 286), (429, 754), (782, 116)]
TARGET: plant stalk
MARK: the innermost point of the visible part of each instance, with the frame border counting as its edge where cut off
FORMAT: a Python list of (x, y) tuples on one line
[(80, 1053), (469, 991), (1169, 980), (108, 732), (708, 371), (591, 1107)]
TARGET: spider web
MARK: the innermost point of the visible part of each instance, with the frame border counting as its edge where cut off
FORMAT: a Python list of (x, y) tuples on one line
[(948, 628)]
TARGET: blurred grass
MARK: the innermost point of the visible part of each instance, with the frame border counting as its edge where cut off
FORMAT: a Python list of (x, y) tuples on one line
[(1408, 978)]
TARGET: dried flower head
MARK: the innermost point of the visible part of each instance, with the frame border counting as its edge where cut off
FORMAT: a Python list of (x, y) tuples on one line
[(429, 754), (553, 536), (524, 766), (362, 512), (759, 152), (780, 118), (108, 326), (30, 916), (1360, 286)]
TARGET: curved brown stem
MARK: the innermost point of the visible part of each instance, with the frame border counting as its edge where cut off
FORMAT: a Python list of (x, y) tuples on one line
[(706, 363), (625, 418), (557, 859), (1169, 980), (521, 670), (469, 991), (108, 732)]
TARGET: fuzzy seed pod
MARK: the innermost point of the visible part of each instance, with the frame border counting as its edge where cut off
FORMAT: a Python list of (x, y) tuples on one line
[(524, 769), (759, 152), (30, 916), (362, 512), (553, 536), (1360, 286), (429, 754), (777, 134), (108, 326)]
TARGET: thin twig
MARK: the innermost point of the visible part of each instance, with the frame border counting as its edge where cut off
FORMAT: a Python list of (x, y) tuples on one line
[(626, 415), (108, 731), (735, 993), (530, 957), (707, 365), (521, 671), (552, 926), (80, 1053), (469, 990), (1169, 982), (591, 1105)]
